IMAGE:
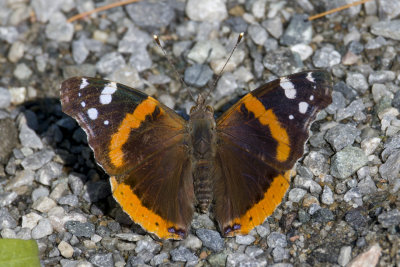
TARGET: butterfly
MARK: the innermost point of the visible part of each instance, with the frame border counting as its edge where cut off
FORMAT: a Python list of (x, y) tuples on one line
[(162, 167)]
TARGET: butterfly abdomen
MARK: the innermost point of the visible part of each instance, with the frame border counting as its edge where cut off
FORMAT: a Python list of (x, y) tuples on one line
[(203, 139)]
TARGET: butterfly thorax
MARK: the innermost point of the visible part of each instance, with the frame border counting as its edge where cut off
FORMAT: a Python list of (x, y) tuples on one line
[(202, 146)]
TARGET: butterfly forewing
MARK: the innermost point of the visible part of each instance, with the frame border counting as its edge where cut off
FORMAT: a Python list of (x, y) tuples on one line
[(259, 140), (140, 143)]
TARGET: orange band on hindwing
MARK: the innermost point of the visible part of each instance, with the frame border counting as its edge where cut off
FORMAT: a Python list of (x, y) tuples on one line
[(131, 121), (268, 118), (141, 215), (264, 208)]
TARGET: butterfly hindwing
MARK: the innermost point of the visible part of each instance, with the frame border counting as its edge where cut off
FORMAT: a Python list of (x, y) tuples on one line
[(141, 144), (259, 140)]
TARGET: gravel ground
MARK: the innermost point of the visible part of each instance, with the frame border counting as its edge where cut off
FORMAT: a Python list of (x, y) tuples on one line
[(343, 204)]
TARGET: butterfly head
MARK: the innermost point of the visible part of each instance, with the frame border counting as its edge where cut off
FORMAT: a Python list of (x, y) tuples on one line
[(201, 110)]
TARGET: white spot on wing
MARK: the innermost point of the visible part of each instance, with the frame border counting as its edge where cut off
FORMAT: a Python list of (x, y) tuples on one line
[(288, 86), (106, 122), (291, 117), (105, 99), (92, 113), (83, 104), (311, 97), (84, 83), (303, 106), (79, 94), (310, 77), (109, 89)]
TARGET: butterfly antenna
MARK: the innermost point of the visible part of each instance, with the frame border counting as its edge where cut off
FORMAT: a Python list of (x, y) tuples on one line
[(222, 70), (155, 37)]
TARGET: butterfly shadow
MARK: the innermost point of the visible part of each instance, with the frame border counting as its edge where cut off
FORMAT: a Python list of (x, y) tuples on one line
[(85, 178)]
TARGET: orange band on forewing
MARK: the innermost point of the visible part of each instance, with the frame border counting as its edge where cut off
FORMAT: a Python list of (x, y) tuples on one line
[(265, 207), (131, 121), (132, 205), (268, 117)]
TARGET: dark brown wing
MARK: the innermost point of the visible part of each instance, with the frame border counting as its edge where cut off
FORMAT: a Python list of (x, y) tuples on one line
[(141, 144), (259, 140)]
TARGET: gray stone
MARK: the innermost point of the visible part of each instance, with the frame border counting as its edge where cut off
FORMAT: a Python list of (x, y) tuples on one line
[(110, 62), (45, 9), (353, 194), (192, 242), (258, 34), (151, 14), (304, 51), (29, 138), (391, 168), (299, 30), (348, 92), (59, 29), (80, 229), (44, 204), (316, 162), (354, 108), (282, 62), (322, 215), (5, 98), (42, 229), (49, 172), (338, 102), (79, 51), (211, 239), (388, 29), (367, 186), (226, 85), (147, 245), (388, 9), (276, 239), (389, 218), (342, 135), (37, 160), (65, 249), (183, 254), (22, 71), (140, 59), (357, 81), (253, 251), (7, 198), (70, 200), (327, 196), (102, 259), (9, 34), (347, 161), (198, 75), (159, 259), (24, 234), (296, 194), (245, 239), (241, 259), (207, 50), (127, 74), (326, 57), (274, 27), (344, 255), (16, 51), (6, 219), (24, 177), (381, 76), (206, 10), (40, 192), (280, 254), (134, 40)]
